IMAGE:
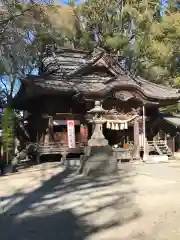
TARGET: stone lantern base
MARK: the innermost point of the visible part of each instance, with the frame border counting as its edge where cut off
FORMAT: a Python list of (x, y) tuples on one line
[(98, 161)]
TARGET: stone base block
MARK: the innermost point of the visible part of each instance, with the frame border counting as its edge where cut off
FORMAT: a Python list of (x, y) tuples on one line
[(72, 163), (99, 161), (157, 159), (177, 155)]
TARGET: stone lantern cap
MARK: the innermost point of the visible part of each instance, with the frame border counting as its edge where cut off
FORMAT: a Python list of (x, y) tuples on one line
[(97, 108)]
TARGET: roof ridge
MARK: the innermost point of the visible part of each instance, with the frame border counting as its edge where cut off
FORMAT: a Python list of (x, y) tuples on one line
[(57, 50), (155, 84), (89, 62)]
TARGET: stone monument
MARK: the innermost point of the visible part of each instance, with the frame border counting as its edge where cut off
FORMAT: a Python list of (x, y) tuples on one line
[(98, 158)]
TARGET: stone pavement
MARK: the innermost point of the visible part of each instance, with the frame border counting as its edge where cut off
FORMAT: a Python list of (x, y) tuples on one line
[(47, 202)]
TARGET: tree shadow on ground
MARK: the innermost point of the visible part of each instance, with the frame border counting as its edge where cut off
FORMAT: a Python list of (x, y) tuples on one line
[(71, 207)]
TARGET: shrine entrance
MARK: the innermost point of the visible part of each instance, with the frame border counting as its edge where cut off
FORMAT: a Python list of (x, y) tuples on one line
[(119, 137), (122, 133)]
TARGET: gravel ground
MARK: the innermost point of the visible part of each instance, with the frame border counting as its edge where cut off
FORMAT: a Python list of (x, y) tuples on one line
[(48, 202)]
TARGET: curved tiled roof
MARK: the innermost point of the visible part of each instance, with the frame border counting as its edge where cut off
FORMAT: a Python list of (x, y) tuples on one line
[(79, 72)]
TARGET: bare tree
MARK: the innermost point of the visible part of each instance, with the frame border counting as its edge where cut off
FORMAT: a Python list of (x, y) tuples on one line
[(20, 24)]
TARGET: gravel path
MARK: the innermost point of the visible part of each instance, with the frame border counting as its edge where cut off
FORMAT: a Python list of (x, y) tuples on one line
[(47, 202)]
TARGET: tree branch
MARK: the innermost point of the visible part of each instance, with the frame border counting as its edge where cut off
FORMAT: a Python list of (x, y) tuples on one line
[(4, 85), (5, 21)]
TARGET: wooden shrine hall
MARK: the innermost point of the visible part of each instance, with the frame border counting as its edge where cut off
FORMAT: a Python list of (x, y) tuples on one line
[(68, 84)]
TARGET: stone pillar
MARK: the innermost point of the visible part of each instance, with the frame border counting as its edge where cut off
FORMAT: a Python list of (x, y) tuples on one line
[(136, 152)]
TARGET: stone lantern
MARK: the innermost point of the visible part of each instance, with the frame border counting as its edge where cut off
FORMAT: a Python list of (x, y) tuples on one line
[(97, 138), (98, 158)]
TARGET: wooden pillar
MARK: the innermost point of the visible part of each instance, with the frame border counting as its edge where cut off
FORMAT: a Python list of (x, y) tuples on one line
[(83, 133), (50, 128), (173, 148), (89, 106), (136, 152), (165, 139), (81, 139), (145, 143), (37, 153)]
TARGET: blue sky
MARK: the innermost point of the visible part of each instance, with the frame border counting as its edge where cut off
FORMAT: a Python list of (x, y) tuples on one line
[(66, 1), (164, 2)]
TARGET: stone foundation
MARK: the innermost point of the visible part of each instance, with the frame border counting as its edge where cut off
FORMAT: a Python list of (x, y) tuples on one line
[(99, 161)]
